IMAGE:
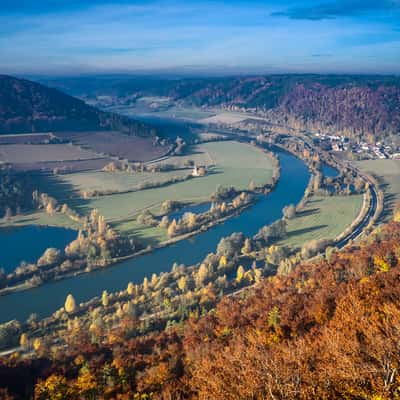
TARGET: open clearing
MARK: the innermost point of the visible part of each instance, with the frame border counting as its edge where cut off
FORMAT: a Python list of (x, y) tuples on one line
[(162, 108), (323, 217), (236, 165), (389, 173), (225, 117)]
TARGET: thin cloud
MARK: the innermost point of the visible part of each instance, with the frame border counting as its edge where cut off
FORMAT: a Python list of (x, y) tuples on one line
[(321, 55), (336, 9)]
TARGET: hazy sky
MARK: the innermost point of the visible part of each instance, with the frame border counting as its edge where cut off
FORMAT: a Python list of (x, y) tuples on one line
[(70, 36)]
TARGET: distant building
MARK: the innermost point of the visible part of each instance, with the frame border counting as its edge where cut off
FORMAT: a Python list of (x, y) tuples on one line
[(195, 171), (201, 171)]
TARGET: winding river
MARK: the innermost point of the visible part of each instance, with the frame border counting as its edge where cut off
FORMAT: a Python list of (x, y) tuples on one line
[(44, 300)]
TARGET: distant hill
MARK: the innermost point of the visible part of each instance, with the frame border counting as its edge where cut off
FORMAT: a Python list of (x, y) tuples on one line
[(366, 107), (356, 105), (27, 106)]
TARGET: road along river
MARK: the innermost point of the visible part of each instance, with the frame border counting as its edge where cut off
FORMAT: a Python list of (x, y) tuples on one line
[(46, 299)]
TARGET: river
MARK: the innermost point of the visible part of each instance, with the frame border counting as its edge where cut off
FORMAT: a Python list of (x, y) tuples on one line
[(27, 243), (44, 300)]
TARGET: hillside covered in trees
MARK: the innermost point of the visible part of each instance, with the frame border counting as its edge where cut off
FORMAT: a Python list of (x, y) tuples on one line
[(26, 106), (328, 330), (359, 106)]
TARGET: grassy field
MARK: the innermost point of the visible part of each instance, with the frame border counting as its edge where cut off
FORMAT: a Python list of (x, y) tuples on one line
[(143, 108), (323, 217), (226, 117), (118, 181), (149, 235), (236, 165), (389, 173), (39, 217)]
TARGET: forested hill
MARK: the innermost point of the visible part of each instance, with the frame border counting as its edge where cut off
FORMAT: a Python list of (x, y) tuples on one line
[(27, 106), (364, 106), (328, 330), (352, 105)]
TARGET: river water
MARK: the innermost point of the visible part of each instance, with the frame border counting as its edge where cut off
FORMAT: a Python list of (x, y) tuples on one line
[(27, 243), (44, 300)]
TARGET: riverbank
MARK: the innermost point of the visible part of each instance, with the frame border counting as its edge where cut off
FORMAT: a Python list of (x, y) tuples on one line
[(294, 174), (231, 212)]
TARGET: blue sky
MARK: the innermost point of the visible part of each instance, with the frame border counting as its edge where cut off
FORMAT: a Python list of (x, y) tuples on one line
[(70, 36)]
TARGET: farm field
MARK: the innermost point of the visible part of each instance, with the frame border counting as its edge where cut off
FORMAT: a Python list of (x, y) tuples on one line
[(236, 165), (389, 173), (233, 164), (29, 138), (115, 144), (227, 153), (323, 217), (25, 153), (63, 166)]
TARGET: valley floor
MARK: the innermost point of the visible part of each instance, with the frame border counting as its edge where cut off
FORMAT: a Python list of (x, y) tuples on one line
[(388, 173)]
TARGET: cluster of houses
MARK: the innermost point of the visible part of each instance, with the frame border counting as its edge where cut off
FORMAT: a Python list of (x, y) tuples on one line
[(341, 143)]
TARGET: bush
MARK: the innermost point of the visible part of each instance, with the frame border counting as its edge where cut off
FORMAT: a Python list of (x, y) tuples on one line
[(50, 256), (313, 247), (9, 334)]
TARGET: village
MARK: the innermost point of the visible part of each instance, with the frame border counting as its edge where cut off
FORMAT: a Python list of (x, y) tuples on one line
[(338, 143)]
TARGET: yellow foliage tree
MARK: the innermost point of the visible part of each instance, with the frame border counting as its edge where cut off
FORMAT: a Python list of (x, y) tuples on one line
[(246, 249), (172, 229), (382, 265), (154, 280), (86, 384), (145, 284), (23, 341), (70, 305), (101, 224), (54, 387), (396, 214), (182, 282), (50, 208), (104, 298), (239, 274), (202, 274), (37, 344), (164, 222), (223, 207), (190, 219), (223, 262), (130, 289)]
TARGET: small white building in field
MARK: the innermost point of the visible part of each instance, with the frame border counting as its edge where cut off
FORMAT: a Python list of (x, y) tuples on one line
[(198, 171), (195, 171)]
